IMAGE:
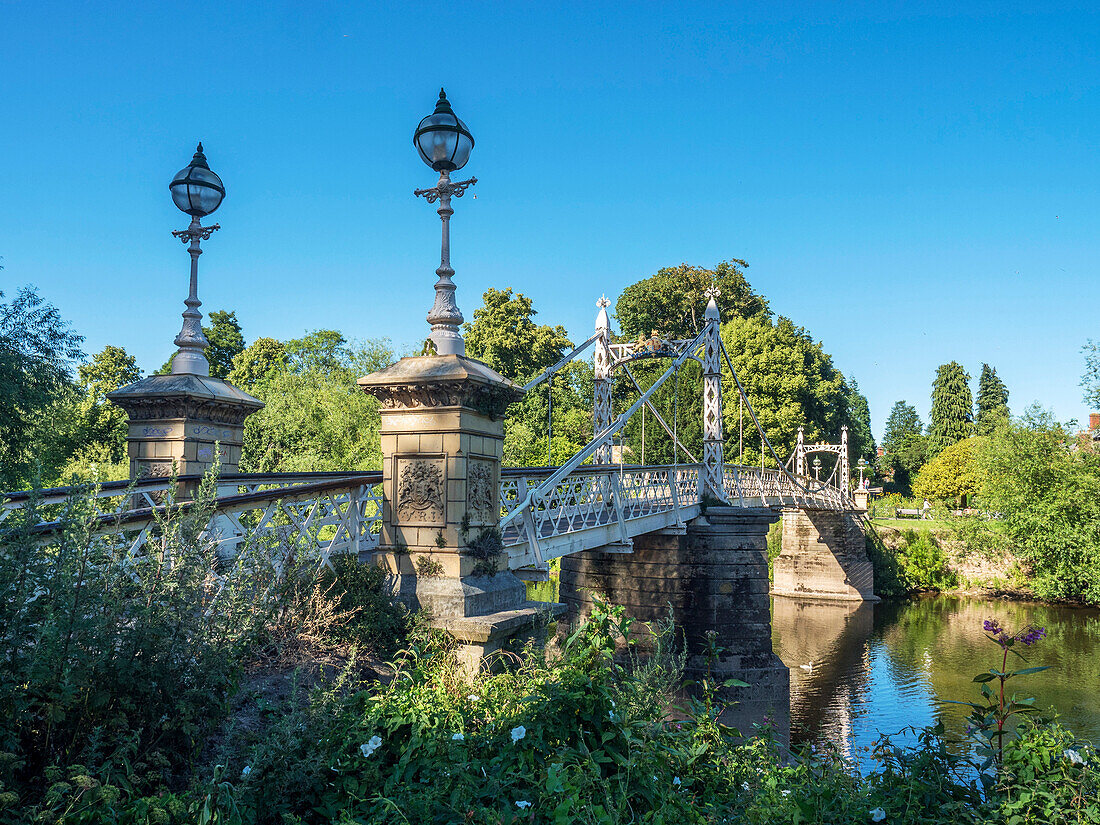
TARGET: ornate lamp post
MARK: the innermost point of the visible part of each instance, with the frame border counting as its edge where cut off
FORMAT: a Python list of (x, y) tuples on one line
[(184, 421), (444, 143), (197, 192), (817, 469), (862, 464)]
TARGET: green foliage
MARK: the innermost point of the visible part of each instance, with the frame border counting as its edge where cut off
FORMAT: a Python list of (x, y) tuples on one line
[(905, 447), (790, 381), (902, 424), (953, 474), (263, 358), (1048, 497), (127, 659), (362, 592), (1090, 380), (952, 408), (316, 417), (505, 337), (924, 563), (992, 402), (672, 301), (861, 441), (226, 342), (36, 350), (890, 579)]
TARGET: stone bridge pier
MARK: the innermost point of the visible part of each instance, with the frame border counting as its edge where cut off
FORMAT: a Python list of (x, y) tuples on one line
[(714, 576), (824, 556)]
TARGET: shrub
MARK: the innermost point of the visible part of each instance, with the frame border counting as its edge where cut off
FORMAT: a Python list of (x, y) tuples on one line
[(924, 562)]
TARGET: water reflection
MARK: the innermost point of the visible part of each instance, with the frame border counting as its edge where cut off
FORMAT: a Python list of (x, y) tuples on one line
[(861, 669)]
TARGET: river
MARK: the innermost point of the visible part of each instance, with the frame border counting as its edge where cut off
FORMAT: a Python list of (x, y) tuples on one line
[(875, 668)]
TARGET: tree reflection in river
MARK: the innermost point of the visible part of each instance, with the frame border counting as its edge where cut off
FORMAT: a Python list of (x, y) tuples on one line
[(877, 668)]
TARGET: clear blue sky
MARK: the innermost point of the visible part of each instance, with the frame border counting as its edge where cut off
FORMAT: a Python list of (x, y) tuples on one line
[(913, 183)]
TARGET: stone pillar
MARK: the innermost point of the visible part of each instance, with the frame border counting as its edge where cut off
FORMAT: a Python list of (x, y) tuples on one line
[(824, 556), (442, 427), (601, 400), (715, 577), (713, 462), (181, 422)]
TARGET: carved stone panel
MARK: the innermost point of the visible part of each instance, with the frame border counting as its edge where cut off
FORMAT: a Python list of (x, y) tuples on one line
[(154, 469), (480, 487), (420, 490)]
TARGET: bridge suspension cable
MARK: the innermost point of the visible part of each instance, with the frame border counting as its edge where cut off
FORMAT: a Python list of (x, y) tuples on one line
[(590, 449), (782, 465)]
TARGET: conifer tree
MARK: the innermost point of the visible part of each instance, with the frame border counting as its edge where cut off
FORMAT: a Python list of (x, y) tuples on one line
[(992, 401), (952, 408)]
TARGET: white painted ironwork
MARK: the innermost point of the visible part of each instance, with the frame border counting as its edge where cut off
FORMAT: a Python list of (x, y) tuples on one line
[(316, 519), (712, 400), (601, 394)]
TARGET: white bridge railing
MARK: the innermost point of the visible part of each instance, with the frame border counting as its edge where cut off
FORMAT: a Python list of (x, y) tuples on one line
[(326, 513), (308, 513)]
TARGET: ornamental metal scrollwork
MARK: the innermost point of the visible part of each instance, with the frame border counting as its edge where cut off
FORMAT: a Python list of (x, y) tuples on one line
[(420, 491)]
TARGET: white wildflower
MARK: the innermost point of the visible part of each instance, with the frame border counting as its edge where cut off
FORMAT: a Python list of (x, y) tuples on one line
[(518, 733), (676, 781), (246, 771), (611, 715), (744, 786), (786, 793), (473, 697), (522, 803), (370, 747), (877, 814), (1074, 757), (458, 737)]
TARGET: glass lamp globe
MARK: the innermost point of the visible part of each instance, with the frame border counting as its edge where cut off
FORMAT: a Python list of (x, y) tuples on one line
[(195, 189), (443, 141)]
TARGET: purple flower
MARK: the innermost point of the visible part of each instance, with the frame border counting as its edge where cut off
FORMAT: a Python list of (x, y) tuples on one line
[(1030, 635)]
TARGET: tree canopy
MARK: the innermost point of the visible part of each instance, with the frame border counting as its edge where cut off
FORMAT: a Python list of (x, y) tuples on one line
[(37, 349), (672, 301), (789, 379), (902, 423), (1090, 380), (504, 335), (904, 445), (861, 441), (316, 417), (992, 402), (953, 474), (1048, 496), (952, 408)]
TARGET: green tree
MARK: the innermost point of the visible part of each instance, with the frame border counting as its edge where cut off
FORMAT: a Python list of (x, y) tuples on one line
[(954, 474), (904, 446), (316, 417), (952, 408), (226, 342), (1091, 378), (1048, 497), (992, 402), (902, 423), (260, 359), (323, 350), (861, 441), (505, 337), (789, 379), (37, 349), (103, 426), (672, 301)]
